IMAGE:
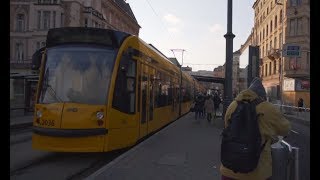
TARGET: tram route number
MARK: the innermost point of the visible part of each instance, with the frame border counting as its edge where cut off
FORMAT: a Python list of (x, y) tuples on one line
[(45, 122)]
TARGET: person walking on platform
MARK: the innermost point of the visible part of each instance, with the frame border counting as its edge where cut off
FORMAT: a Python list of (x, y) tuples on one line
[(300, 104), (197, 107), (268, 122), (209, 107), (216, 101)]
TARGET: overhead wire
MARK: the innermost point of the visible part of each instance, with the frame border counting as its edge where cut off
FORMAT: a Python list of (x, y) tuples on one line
[(159, 18)]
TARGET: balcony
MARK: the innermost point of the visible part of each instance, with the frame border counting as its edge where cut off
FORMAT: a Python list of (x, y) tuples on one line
[(274, 77), (274, 54), (25, 64)]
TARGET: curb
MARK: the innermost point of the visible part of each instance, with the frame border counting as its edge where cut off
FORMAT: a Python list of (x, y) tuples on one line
[(20, 126), (298, 120)]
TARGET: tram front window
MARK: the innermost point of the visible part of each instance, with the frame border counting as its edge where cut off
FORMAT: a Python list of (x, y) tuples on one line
[(77, 74)]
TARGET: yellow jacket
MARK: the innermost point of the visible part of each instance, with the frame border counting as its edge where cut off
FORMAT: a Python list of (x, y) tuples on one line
[(271, 123)]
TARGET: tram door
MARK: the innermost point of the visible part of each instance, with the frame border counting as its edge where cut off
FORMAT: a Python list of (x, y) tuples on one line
[(143, 79)]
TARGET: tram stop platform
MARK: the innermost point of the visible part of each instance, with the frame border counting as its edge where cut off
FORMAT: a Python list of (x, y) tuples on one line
[(184, 150)]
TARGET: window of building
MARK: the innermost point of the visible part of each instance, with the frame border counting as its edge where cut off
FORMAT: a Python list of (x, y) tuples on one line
[(262, 55), (62, 20), (39, 19), (263, 34), (266, 70), (110, 17), (271, 26), (85, 22), (267, 48), (260, 36), (280, 40), (275, 42), (299, 26), (292, 26), (19, 51), (270, 68), (308, 26), (267, 10), (20, 23), (46, 19), (270, 44), (124, 96), (275, 22), (280, 20), (38, 45), (295, 2), (271, 5), (279, 63), (267, 31), (308, 58), (54, 19), (274, 67)]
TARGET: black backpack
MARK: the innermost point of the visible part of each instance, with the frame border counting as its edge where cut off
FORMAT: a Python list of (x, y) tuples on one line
[(241, 140)]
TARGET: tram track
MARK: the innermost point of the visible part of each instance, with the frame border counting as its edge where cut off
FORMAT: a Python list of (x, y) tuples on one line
[(69, 166)]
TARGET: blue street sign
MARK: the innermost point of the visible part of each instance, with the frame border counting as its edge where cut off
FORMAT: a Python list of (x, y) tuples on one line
[(291, 50)]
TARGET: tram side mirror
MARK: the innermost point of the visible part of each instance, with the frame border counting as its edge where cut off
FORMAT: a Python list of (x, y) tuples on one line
[(36, 59)]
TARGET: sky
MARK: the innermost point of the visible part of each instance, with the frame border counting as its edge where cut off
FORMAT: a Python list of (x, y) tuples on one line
[(198, 27)]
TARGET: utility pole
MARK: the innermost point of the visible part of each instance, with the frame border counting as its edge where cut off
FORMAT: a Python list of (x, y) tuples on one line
[(229, 62), (180, 89)]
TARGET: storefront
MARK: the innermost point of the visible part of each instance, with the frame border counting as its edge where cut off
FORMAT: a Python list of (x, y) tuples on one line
[(22, 92), (293, 89)]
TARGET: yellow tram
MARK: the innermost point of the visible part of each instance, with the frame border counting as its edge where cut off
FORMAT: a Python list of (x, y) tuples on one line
[(101, 90)]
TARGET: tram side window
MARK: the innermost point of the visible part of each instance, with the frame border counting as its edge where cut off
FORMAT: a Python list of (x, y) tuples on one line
[(163, 91), (124, 93)]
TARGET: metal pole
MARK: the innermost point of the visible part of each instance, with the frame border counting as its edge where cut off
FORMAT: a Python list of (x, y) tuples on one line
[(281, 58), (228, 65), (295, 154)]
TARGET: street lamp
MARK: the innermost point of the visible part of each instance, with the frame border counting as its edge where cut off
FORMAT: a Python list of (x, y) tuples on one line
[(228, 70)]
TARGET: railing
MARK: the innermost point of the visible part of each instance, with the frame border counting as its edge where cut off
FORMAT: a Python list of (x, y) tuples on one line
[(294, 110), (21, 64)]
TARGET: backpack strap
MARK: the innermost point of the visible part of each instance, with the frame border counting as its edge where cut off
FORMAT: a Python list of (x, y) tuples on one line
[(257, 101)]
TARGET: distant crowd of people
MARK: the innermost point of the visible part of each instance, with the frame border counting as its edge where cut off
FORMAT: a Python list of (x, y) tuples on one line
[(206, 106)]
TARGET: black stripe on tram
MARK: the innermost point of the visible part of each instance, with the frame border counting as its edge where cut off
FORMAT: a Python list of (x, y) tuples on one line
[(70, 132)]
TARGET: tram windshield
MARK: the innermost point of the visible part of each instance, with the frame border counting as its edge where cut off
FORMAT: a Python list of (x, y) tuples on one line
[(77, 74)]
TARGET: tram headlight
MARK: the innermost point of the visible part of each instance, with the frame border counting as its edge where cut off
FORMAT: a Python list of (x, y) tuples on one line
[(39, 114), (99, 115)]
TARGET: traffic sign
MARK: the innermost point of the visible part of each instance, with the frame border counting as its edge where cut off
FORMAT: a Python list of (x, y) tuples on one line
[(291, 50)]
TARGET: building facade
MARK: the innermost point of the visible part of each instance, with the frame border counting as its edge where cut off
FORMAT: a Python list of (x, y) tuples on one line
[(220, 72), (276, 23), (30, 21)]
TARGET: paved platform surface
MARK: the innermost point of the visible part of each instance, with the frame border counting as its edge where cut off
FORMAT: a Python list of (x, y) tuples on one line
[(184, 150)]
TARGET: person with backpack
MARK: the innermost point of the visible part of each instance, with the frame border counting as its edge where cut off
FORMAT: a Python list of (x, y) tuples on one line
[(250, 125)]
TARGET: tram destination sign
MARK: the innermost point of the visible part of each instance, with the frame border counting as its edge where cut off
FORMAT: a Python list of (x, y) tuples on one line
[(291, 50)]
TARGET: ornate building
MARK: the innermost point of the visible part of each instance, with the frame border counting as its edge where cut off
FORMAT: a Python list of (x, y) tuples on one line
[(277, 23), (30, 21)]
